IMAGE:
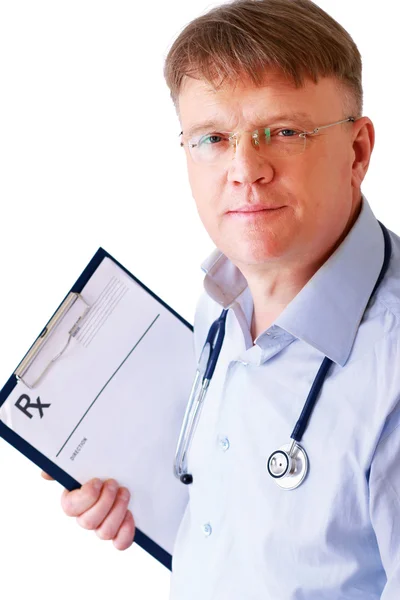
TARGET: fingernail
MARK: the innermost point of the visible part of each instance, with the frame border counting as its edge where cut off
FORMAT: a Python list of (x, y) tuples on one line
[(97, 484), (124, 494), (112, 485)]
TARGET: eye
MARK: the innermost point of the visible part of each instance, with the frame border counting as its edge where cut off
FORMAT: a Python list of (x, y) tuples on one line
[(288, 132), (211, 139)]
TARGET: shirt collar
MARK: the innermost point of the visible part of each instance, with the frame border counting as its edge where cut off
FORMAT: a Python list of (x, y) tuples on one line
[(327, 311)]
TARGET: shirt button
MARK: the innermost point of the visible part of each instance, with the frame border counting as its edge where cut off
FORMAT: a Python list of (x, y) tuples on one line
[(207, 529), (224, 444)]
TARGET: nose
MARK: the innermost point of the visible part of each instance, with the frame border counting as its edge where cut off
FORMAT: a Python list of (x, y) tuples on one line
[(247, 165)]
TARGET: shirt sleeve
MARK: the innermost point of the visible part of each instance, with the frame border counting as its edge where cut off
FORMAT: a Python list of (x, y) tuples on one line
[(384, 486)]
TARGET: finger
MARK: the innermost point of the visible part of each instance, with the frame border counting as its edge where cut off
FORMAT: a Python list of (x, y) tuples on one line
[(47, 476), (78, 501), (126, 533), (108, 529), (94, 516)]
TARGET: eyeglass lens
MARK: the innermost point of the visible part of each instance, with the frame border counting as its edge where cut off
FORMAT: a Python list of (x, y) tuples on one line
[(217, 147)]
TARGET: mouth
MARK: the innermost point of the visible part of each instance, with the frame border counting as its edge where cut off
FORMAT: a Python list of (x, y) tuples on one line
[(254, 211)]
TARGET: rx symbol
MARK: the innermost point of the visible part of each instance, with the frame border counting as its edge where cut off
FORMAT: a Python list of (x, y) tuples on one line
[(28, 404)]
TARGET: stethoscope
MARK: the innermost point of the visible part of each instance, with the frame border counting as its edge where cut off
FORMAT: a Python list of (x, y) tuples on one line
[(289, 465)]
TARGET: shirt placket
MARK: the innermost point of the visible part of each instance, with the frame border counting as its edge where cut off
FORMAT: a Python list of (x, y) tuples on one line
[(224, 451)]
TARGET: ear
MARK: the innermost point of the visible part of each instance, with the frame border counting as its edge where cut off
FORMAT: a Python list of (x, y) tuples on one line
[(363, 136)]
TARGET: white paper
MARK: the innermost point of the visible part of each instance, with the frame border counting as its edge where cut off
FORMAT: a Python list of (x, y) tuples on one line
[(113, 403)]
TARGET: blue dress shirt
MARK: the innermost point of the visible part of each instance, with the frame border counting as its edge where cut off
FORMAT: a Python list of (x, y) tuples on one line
[(337, 536)]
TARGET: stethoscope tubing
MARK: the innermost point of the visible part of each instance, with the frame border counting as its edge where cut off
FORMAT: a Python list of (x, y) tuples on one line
[(303, 420), (215, 338), (312, 397), (205, 370)]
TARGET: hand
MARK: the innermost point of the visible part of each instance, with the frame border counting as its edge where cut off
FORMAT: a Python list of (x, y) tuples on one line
[(102, 507)]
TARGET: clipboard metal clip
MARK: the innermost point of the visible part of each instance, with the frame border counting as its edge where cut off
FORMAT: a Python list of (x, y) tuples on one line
[(51, 326)]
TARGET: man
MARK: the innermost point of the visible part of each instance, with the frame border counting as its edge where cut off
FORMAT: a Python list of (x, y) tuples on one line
[(269, 99)]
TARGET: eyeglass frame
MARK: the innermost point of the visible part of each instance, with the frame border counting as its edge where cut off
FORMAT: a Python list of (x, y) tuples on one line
[(303, 134)]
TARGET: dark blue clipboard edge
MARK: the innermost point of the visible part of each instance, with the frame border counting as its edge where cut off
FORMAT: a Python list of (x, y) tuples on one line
[(40, 459)]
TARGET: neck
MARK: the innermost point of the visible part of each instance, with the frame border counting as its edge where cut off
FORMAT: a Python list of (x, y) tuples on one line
[(274, 285), (273, 290)]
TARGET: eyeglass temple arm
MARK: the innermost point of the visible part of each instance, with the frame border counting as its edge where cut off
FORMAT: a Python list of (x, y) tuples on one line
[(330, 125)]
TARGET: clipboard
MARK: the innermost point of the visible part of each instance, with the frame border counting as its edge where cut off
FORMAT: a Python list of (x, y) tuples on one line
[(68, 322)]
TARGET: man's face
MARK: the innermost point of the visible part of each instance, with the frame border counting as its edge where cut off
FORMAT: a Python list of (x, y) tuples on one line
[(312, 192)]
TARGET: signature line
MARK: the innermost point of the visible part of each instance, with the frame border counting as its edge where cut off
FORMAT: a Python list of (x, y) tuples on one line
[(106, 384)]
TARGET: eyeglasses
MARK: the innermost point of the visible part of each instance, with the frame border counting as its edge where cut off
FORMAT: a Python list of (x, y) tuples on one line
[(278, 142)]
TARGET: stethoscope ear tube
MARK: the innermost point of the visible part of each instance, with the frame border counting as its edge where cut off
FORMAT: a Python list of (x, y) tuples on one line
[(193, 418), (180, 455), (205, 370)]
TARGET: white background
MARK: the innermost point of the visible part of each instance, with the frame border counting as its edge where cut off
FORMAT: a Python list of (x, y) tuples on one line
[(83, 103)]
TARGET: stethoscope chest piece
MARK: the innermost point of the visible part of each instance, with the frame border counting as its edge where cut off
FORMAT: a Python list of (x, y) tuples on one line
[(288, 466)]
